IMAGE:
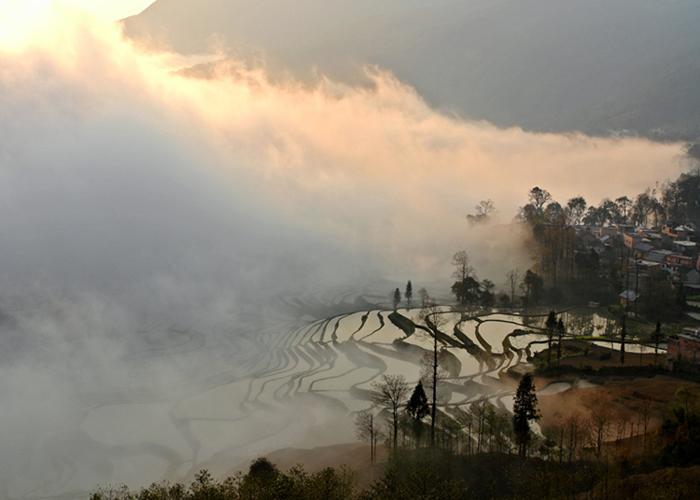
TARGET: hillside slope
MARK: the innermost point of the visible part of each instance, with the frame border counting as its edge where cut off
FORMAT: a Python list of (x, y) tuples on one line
[(549, 65)]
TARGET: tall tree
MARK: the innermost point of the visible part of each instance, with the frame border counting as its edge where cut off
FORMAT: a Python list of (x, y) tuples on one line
[(390, 393), (466, 287), (560, 334), (551, 326), (524, 411), (513, 277), (599, 426), (408, 294), (624, 205), (424, 297), (366, 429), (657, 337), (486, 296), (539, 198), (532, 286), (611, 211), (417, 406), (485, 210), (418, 409), (397, 298), (463, 268), (574, 426), (575, 209), (645, 204), (434, 319), (534, 211), (623, 336), (467, 292)]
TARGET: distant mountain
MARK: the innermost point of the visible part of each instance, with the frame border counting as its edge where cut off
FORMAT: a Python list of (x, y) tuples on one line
[(546, 65)]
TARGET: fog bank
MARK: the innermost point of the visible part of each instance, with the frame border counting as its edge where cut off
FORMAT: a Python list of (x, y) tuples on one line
[(149, 220)]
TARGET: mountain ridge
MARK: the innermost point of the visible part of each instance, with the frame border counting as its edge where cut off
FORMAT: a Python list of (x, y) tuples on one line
[(544, 65)]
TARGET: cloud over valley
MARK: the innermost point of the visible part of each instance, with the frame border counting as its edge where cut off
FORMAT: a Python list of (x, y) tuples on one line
[(141, 206)]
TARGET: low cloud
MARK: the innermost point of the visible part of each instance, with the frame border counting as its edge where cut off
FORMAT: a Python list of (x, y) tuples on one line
[(132, 195)]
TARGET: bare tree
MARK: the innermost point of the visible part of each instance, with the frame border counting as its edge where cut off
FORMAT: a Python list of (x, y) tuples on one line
[(463, 269), (646, 411), (466, 420), (391, 393), (574, 428), (477, 411), (557, 432), (485, 210), (427, 367), (513, 276), (424, 297), (434, 319), (622, 421), (367, 429), (599, 427)]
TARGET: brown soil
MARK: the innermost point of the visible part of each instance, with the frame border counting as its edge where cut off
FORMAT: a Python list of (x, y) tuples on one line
[(619, 396), (665, 483)]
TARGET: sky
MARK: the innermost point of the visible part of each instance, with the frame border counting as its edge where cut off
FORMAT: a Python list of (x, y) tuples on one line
[(103, 10), (132, 195), (370, 168)]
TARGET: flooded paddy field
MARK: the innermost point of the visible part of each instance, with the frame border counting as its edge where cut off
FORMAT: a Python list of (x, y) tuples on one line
[(295, 376)]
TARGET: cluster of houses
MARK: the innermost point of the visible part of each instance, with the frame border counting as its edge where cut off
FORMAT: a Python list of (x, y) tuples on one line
[(685, 345), (671, 253)]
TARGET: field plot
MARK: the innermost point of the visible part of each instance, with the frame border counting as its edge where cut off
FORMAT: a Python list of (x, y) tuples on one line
[(210, 398)]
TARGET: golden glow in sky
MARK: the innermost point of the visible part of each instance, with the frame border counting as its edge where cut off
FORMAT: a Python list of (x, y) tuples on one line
[(25, 11), (23, 20)]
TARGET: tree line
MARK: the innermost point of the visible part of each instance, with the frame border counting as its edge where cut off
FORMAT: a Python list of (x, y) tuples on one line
[(594, 457)]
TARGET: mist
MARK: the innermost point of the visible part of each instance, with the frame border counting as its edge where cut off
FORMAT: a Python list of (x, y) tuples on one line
[(151, 221)]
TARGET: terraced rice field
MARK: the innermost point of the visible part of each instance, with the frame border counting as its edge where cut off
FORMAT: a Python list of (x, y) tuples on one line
[(294, 377)]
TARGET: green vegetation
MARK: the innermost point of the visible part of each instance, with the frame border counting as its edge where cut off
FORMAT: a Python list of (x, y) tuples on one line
[(524, 411)]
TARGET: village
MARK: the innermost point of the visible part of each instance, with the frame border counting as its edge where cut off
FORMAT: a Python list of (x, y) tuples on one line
[(671, 255)]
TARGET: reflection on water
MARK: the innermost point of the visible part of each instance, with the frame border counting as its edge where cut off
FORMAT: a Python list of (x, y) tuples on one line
[(585, 384), (293, 380), (554, 388)]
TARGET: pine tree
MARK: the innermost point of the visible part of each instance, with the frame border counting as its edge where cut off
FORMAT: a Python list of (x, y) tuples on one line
[(408, 294), (524, 410), (417, 406), (397, 298), (418, 409)]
